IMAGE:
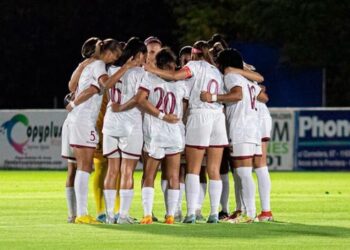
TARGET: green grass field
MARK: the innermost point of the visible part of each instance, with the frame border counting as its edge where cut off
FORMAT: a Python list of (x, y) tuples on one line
[(312, 210)]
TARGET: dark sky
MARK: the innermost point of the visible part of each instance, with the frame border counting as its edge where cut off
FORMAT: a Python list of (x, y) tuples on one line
[(41, 41)]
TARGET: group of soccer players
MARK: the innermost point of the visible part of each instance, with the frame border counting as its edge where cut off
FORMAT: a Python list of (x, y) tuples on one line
[(131, 102)]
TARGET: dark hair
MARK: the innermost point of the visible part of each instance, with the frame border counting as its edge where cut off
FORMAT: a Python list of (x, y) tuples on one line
[(218, 38), (203, 51), (185, 50), (229, 58), (132, 47), (164, 57), (109, 44), (89, 47), (152, 39)]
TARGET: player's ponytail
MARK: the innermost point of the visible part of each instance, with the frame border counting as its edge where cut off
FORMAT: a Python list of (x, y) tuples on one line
[(109, 44), (200, 51), (131, 49)]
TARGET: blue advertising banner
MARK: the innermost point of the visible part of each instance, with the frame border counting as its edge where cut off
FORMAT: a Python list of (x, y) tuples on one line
[(322, 140)]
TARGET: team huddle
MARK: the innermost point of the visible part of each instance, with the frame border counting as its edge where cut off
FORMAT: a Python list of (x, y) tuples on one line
[(194, 117)]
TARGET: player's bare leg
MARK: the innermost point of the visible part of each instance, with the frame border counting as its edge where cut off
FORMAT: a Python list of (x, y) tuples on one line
[(70, 193)]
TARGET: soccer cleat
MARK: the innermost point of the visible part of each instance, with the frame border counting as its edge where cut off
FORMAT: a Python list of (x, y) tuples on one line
[(265, 216), (71, 219), (110, 219), (199, 216), (178, 216), (116, 216), (101, 218), (234, 215), (86, 219), (190, 219), (125, 220), (146, 220), (223, 215), (169, 219), (154, 218), (213, 219), (241, 219)]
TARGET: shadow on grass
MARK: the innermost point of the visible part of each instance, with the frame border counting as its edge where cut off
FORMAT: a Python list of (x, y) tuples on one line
[(243, 231)]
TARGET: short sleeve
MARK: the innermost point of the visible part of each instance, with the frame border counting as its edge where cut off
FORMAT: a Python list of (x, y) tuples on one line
[(146, 83), (231, 81), (98, 70), (190, 68)]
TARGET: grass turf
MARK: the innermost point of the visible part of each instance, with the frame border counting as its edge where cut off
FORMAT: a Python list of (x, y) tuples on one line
[(312, 210)]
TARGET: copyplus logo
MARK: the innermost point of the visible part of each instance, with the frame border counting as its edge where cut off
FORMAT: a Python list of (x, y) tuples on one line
[(9, 125)]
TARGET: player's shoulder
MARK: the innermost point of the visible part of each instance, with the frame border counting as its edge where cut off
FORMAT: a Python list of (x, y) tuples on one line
[(112, 69)]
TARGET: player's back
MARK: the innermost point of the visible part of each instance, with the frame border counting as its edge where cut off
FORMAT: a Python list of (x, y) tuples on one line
[(243, 116), (87, 111), (206, 77)]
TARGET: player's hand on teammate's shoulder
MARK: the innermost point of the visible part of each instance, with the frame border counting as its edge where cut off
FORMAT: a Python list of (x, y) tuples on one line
[(132, 62), (115, 107), (86, 62), (150, 67), (205, 96), (233, 70), (170, 118)]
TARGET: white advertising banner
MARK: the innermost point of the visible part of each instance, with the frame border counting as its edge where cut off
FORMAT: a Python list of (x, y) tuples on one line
[(31, 139), (281, 146)]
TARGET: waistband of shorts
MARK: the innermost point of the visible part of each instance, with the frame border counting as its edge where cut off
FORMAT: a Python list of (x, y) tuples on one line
[(206, 111)]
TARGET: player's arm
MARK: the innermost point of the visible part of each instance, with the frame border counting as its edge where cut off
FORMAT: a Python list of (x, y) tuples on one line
[(263, 97), (251, 75), (144, 104), (108, 82), (124, 107), (74, 80), (181, 74), (234, 95), (82, 97)]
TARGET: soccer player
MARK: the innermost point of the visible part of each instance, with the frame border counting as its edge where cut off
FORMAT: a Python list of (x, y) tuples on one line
[(67, 151), (153, 45), (85, 108), (163, 140), (260, 163), (205, 128), (122, 130), (243, 123)]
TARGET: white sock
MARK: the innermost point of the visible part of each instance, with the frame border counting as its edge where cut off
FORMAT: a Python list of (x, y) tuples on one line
[(238, 192), (201, 196), (179, 201), (192, 192), (110, 196), (71, 202), (264, 184), (173, 196), (224, 201), (147, 200), (126, 196), (81, 187), (164, 185), (215, 189), (248, 190)]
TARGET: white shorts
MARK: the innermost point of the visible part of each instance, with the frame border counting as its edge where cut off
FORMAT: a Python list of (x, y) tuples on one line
[(83, 136), (243, 151), (265, 128), (128, 147), (206, 128), (66, 149), (160, 152)]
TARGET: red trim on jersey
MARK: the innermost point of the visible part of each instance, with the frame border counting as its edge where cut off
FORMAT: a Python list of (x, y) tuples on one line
[(68, 158), (106, 155), (187, 71), (196, 146), (144, 89), (258, 155), (219, 146), (264, 139), (242, 157), (98, 79), (130, 153), (80, 146), (98, 89)]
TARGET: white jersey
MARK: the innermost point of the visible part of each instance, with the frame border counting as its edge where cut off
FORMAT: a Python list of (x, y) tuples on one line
[(242, 116), (86, 113), (205, 77), (263, 110), (121, 123), (168, 98)]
